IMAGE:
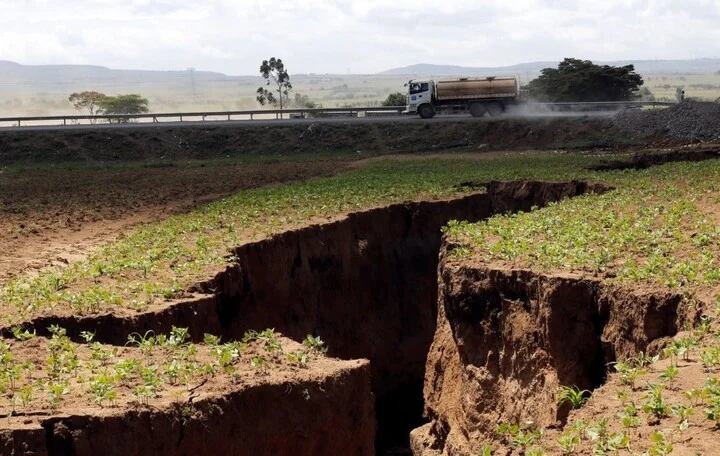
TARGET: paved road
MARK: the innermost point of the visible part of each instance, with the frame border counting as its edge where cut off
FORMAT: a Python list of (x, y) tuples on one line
[(324, 120)]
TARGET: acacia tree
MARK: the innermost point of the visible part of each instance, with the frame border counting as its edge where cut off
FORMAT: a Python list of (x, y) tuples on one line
[(275, 75), (124, 104), (582, 80), (88, 99)]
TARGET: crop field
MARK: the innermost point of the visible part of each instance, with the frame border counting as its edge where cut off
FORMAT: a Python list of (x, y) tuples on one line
[(658, 229), (162, 260), (365, 292)]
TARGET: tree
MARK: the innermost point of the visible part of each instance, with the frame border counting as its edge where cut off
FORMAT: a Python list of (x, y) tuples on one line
[(581, 80), (395, 99), (124, 104), (89, 100), (304, 101), (275, 75)]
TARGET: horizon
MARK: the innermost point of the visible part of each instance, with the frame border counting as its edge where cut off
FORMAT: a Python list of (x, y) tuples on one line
[(382, 72)]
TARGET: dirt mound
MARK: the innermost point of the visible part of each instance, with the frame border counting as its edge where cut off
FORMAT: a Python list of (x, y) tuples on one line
[(645, 160), (688, 121), (506, 340)]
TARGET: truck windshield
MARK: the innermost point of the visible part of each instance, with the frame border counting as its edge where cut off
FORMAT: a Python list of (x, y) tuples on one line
[(417, 87)]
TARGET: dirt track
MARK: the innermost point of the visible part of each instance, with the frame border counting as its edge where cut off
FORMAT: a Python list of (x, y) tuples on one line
[(56, 215)]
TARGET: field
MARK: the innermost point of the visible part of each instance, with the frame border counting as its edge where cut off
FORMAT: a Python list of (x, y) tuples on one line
[(329, 91), (296, 291)]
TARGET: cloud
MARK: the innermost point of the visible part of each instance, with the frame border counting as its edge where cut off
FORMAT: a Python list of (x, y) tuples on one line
[(365, 36)]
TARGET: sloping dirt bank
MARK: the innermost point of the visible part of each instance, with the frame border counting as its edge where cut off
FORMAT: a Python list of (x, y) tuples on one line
[(209, 141), (507, 339), (366, 284)]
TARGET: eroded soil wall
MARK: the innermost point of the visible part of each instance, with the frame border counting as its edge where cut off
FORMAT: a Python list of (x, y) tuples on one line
[(507, 339), (367, 285), (330, 416)]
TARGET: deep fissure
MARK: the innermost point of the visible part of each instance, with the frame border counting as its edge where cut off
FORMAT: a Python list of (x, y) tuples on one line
[(368, 286)]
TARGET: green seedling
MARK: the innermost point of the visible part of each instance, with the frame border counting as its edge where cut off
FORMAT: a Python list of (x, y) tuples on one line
[(654, 404), (315, 343), (573, 396)]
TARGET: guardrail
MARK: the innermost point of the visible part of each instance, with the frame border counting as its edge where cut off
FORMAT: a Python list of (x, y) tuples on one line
[(204, 115), (287, 113)]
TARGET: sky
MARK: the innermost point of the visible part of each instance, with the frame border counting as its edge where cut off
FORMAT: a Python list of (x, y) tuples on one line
[(358, 36)]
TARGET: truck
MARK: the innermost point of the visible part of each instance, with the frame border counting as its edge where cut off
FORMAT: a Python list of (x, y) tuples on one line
[(490, 95)]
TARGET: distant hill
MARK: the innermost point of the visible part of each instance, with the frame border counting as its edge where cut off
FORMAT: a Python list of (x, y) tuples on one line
[(51, 73), (532, 69)]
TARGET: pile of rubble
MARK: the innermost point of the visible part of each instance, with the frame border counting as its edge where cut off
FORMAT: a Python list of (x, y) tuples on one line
[(691, 120)]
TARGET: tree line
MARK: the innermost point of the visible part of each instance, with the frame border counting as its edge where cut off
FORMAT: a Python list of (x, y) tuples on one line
[(98, 103)]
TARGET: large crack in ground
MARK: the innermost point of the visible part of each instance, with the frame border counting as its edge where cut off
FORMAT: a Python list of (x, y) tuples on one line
[(366, 284)]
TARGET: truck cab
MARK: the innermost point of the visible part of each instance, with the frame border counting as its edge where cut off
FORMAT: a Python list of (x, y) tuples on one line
[(419, 93)]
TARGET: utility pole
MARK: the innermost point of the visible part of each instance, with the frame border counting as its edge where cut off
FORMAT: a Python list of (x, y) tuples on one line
[(192, 83)]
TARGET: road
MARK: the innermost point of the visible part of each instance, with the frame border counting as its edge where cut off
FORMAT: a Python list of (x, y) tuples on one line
[(324, 120)]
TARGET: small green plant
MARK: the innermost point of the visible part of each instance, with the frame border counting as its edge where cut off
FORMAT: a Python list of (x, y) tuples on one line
[(660, 446), (629, 415), (670, 373), (569, 441), (682, 413), (22, 334), (258, 362), (628, 373), (485, 450), (315, 343), (56, 391), (102, 387), (654, 404), (572, 395), (299, 358), (518, 437)]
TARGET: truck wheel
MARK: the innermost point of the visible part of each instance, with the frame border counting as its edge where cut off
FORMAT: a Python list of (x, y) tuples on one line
[(477, 109), (495, 109), (426, 111)]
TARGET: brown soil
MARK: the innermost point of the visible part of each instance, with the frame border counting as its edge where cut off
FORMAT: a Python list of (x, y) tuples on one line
[(507, 339), (281, 409), (57, 215)]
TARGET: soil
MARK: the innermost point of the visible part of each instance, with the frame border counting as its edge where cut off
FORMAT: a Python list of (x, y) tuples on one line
[(501, 348), (288, 140), (55, 215), (282, 409)]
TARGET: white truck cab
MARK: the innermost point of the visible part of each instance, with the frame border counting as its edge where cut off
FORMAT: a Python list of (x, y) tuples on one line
[(419, 92)]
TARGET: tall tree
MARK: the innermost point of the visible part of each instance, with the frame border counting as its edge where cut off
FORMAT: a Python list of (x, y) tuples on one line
[(124, 104), (276, 76), (582, 80), (89, 100)]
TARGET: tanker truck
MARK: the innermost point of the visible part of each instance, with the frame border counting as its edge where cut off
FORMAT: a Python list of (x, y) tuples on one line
[(479, 96)]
